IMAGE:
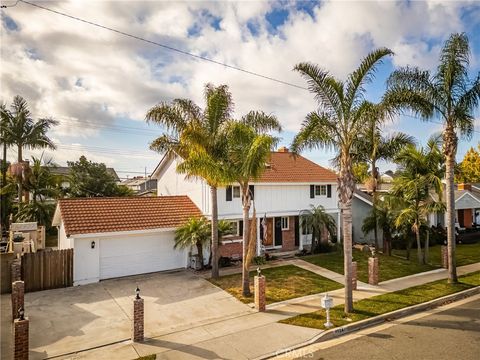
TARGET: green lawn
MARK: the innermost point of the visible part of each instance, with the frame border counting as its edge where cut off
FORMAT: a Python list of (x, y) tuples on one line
[(385, 303), (283, 283), (465, 254), (391, 267)]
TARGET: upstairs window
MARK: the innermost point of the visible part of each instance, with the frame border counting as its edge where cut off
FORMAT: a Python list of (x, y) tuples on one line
[(320, 190), (236, 192)]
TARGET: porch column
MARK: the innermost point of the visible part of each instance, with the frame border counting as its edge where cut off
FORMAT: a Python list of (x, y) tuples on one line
[(259, 241), (300, 236)]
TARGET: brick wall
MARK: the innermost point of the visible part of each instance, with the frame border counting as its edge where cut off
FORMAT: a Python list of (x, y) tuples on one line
[(288, 236), (20, 334), (231, 249), (138, 320), (18, 292)]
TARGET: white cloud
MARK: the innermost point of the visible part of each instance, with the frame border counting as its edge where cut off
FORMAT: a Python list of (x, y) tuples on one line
[(71, 70)]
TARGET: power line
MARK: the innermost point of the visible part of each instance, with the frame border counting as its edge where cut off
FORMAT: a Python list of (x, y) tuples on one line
[(167, 47), (186, 53)]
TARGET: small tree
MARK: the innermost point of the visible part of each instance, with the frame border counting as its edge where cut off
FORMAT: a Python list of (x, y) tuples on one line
[(194, 232), (90, 179), (469, 168), (318, 221)]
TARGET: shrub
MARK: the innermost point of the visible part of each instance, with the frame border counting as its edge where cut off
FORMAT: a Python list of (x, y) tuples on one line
[(224, 261), (259, 260)]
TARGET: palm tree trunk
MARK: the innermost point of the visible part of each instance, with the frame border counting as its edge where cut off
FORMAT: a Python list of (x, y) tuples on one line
[(19, 178), (214, 249), (450, 141), (427, 244), (419, 244), (346, 185), (3, 219), (246, 234), (200, 253), (374, 198)]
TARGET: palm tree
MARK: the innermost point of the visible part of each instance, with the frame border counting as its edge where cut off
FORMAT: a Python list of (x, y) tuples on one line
[(24, 132), (337, 124), (374, 147), (4, 115), (197, 138), (448, 95), (194, 232), (317, 220), (421, 173), (383, 215), (248, 151)]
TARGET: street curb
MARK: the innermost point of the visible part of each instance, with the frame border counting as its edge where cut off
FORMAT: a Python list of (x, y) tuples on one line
[(393, 315)]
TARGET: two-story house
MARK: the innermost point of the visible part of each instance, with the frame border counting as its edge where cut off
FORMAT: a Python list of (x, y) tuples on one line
[(289, 185)]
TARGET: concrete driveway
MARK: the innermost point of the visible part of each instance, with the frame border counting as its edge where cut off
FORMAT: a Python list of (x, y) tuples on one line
[(69, 320)]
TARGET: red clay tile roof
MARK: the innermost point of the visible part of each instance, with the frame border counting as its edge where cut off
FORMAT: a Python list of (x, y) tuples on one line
[(97, 215), (284, 167)]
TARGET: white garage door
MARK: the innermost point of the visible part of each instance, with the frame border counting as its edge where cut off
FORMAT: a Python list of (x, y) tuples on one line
[(131, 255)]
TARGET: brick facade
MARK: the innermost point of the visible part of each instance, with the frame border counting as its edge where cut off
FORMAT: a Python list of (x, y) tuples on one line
[(259, 293), (20, 342), (231, 249), (138, 320), (18, 294), (288, 236), (373, 271)]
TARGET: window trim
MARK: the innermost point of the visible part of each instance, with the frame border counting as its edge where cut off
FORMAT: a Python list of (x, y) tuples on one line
[(288, 223)]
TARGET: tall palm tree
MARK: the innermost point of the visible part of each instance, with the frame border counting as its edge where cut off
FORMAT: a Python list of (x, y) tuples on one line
[(197, 137), (374, 147), (421, 173), (317, 220), (248, 151), (4, 116), (194, 232), (337, 124), (450, 96), (24, 132)]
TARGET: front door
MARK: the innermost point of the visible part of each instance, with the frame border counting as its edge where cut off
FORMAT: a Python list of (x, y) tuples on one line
[(278, 231)]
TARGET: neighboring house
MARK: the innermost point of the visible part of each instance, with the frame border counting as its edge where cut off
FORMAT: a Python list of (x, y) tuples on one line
[(467, 206), (362, 204), (64, 172), (141, 185), (114, 237), (289, 185)]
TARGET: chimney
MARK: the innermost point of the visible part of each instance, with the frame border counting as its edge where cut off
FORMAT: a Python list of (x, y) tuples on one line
[(283, 149), (464, 186)]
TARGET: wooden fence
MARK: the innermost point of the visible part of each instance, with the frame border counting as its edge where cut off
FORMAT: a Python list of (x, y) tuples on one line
[(6, 260), (47, 269)]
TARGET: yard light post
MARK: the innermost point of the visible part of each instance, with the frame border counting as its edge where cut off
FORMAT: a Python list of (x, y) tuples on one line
[(327, 303), (21, 313), (137, 293)]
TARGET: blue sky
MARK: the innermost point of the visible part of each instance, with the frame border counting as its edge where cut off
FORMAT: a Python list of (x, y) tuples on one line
[(99, 85)]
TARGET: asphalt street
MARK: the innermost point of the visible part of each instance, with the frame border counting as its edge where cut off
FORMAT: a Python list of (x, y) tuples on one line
[(453, 334)]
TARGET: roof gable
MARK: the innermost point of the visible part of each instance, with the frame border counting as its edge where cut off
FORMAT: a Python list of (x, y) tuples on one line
[(99, 215)]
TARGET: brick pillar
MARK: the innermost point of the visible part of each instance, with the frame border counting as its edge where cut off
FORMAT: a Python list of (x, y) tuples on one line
[(18, 292), (373, 270), (16, 270), (138, 322), (354, 275), (20, 335), (259, 288), (444, 256)]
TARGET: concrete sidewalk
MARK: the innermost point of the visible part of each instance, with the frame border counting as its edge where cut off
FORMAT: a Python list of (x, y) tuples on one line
[(252, 335)]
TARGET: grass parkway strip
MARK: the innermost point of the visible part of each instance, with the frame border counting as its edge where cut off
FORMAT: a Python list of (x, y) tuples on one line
[(385, 303)]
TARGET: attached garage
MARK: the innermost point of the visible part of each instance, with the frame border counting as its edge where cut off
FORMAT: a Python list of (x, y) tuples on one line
[(115, 237)]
